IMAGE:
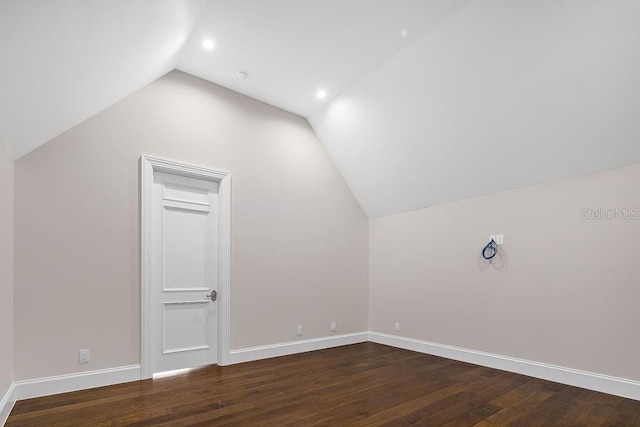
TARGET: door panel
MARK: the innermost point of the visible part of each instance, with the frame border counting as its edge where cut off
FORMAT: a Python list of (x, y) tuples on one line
[(185, 326), (185, 193), (185, 227), (186, 250)]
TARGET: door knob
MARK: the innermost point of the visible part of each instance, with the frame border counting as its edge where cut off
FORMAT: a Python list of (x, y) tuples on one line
[(213, 295)]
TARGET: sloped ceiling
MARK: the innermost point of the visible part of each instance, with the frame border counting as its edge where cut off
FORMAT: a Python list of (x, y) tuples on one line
[(293, 48), (504, 94), (65, 60), (428, 101)]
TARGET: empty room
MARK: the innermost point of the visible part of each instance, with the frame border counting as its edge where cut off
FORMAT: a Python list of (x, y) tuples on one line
[(319, 212)]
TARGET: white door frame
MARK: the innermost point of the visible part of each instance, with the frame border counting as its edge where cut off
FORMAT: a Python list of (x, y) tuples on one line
[(149, 165)]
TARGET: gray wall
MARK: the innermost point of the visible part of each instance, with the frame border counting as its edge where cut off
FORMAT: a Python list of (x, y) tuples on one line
[(300, 245), (568, 296), (6, 269), (299, 238)]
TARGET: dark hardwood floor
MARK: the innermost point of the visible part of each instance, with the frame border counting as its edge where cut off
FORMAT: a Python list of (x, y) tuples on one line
[(359, 385)]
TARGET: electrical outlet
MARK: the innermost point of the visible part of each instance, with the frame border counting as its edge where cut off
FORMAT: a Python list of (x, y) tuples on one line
[(84, 356), (498, 238), (333, 326), (397, 327), (299, 331)]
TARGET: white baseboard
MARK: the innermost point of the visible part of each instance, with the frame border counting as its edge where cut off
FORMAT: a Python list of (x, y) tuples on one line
[(294, 347), (72, 382), (6, 404), (85, 380), (589, 380)]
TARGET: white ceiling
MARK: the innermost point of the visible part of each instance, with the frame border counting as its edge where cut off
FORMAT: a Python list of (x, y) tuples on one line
[(479, 97), (65, 60), (504, 94), (292, 48)]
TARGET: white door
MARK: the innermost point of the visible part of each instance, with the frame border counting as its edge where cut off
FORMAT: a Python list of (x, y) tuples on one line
[(185, 233)]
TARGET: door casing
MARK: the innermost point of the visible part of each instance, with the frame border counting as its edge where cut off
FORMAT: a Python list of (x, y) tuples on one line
[(149, 165)]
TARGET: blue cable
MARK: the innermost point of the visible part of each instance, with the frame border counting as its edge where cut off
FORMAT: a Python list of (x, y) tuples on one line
[(492, 248)]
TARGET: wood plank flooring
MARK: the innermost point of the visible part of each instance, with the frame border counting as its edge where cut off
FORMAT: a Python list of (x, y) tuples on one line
[(358, 385)]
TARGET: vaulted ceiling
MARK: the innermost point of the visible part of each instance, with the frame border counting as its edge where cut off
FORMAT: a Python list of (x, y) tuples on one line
[(66, 60), (427, 101)]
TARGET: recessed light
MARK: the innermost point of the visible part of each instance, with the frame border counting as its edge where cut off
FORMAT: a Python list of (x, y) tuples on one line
[(404, 34), (321, 93), (207, 44)]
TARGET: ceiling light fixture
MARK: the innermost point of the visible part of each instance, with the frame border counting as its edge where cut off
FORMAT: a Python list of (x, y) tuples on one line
[(321, 93), (207, 44), (404, 33)]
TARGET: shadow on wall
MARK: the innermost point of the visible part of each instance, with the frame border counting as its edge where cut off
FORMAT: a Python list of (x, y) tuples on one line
[(500, 262)]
